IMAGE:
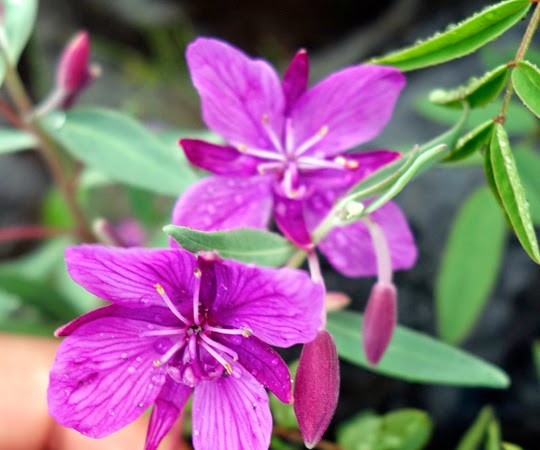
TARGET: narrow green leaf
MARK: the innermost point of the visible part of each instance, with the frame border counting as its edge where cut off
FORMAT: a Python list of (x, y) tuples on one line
[(528, 165), (415, 356), (245, 244), (12, 140), (470, 264), (493, 438), (536, 358), (360, 432), (472, 142), (121, 148), (474, 436), (526, 81), (511, 192), (459, 40), (509, 446), (490, 178), (477, 92)]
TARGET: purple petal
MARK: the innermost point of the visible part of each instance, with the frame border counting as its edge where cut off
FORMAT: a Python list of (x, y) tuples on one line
[(103, 376), (261, 361), (281, 306), (231, 412), (225, 203), (354, 104), (379, 321), (289, 217), (219, 159), (350, 250), (296, 78), (239, 94), (126, 276), (316, 387), (168, 406)]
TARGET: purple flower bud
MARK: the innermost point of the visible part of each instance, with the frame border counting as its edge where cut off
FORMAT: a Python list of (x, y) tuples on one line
[(379, 321), (316, 387)]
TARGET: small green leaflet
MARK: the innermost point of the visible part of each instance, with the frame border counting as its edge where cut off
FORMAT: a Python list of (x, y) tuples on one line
[(459, 40), (244, 244), (511, 191), (528, 165), (473, 141), (474, 436), (414, 356), (477, 92), (121, 148), (470, 264), (12, 140), (526, 82)]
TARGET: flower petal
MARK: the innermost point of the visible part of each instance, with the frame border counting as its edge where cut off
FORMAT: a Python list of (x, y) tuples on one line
[(261, 361), (126, 276), (219, 159), (240, 96), (103, 376), (352, 105), (225, 203), (231, 412), (168, 406), (350, 250), (289, 217), (296, 78), (281, 306)]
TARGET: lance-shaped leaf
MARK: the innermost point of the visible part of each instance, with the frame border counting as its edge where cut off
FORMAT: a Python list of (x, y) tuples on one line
[(474, 436), (528, 165), (469, 267), (511, 191), (415, 356), (473, 141), (536, 358), (18, 22), (121, 148), (459, 40), (526, 81), (477, 92), (493, 438), (244, 244), (15, 140)]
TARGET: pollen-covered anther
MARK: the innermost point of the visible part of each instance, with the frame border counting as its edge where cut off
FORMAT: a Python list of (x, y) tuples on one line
[(157, 363), (197, 272), (349, 164), (242, 148), (265, 120), (322, 131), (159, 288), (246, 332)]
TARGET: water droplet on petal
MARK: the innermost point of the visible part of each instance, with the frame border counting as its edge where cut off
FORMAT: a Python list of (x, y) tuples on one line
[(138, 359), (124, 355), (159, 379), (196, 432), (112, 412), (144, 300), (131, 370), (141, 405)]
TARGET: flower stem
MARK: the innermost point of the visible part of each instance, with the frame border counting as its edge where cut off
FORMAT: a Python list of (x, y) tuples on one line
[(520, 55)]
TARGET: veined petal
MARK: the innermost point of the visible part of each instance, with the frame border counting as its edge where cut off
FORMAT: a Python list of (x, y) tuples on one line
[(219, 159), (350, 249), (127, 276), (296, 78), (261, 361), (281, 306), (289, 217), (225, 203), (231, 412), (167, 408), (240, 96), (352, 105), (103, 376)]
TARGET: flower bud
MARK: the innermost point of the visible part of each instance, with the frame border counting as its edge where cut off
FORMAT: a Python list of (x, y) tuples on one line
[(316, 387), (379, 321)]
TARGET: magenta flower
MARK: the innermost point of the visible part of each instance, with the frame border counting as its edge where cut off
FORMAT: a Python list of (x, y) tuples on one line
[(180, 324), (285, 151)]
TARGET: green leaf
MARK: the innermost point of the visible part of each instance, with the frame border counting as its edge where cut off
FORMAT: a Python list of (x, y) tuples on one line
[(511, 192), (18, 22), (245, 244), (493, 439), (528, 165), (283, 413), (121, 148), (415, 356), (12, 140), (55, 212), (509, 446), (474, 436), (470, 264), (472, 142), (360, 432), (459, 40), (477, 92), (526, 81), (27, 327), (536, 358)]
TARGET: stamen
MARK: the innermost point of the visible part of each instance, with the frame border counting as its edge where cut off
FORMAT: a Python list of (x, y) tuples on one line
[(349, 164), (246, 332), (311, 141), (167, 332), (290, 181), (219, 346), (217, 357), (264, 167), (276, 141), (289, 138), (170, 353), (197, 273), (308, 162), (169, 303), (258, 153)]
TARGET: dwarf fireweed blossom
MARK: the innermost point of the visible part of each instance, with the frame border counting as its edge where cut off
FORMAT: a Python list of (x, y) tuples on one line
[(286, 151), (180, 324)]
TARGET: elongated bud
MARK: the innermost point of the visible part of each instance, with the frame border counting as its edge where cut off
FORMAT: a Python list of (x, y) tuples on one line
[(379, 321), (128, 233), (316, 387)]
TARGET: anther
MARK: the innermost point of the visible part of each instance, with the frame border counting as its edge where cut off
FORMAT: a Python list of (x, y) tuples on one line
[(322, 131), (265, 119), (197, 272), (159, 288)]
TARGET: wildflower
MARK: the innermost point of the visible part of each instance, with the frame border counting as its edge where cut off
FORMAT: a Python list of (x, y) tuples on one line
[(285, 151), (180, 324)]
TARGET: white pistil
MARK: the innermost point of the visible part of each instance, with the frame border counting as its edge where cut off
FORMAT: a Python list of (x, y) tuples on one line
[(309, 162), (246, 332), (263, 154), (219, 346), (170, 353), (311, 141), (217, 357), (169, 303)]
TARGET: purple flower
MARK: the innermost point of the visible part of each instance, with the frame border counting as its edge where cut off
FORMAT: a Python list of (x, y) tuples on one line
[(180, 324), (285, 151)]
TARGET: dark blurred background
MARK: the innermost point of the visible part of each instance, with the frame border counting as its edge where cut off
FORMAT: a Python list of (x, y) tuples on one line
[(140, 45)]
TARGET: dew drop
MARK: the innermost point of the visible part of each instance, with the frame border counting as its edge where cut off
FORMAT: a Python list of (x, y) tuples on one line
[(236, 340), (141, 405), (131, 370), (274, 361), (112, 412), (67, 392), (196, 432), (138, 359), (150, 326), (158, 379), (124, 355)]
